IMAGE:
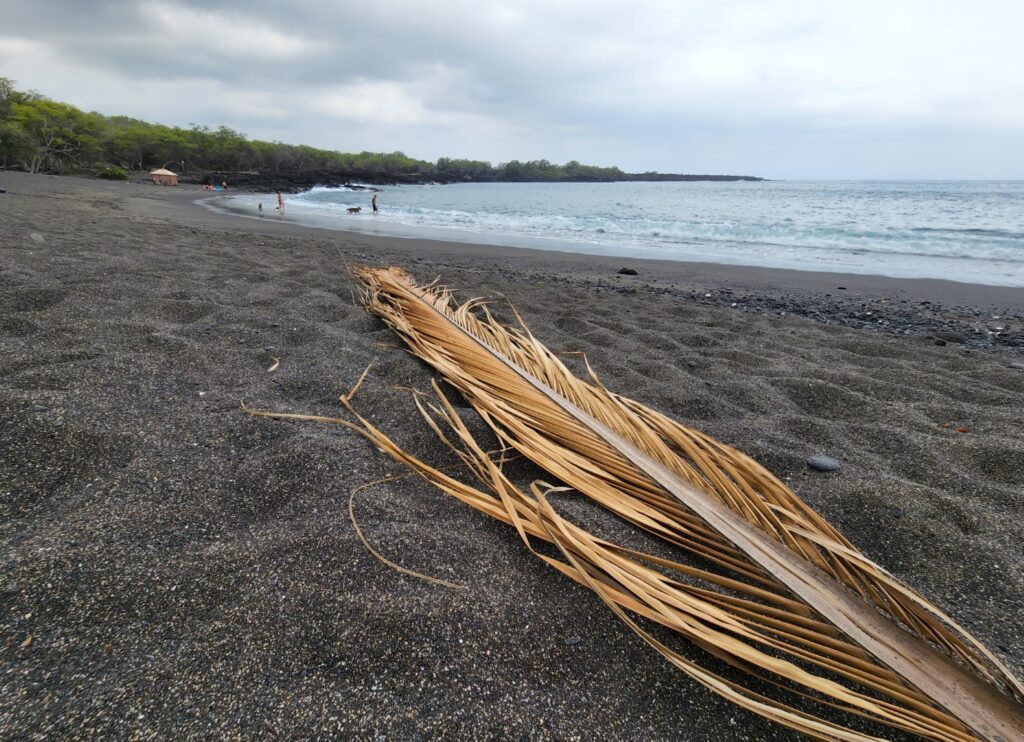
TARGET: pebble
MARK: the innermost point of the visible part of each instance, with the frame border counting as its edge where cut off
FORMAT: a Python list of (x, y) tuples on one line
[(628, 272), (823, 463), (1017, 364), (574, 639), (37, 238)]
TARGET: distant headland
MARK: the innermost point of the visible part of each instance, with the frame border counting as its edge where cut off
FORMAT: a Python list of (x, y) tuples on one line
[(42, 135), (540, 171)]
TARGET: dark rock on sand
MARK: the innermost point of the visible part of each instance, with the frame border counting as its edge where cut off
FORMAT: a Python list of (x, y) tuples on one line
[(628, 272), (1017, 364), (824, 463), (297, 181)]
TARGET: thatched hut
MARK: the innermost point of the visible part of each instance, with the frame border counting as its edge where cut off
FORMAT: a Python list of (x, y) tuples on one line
[(161, 176)]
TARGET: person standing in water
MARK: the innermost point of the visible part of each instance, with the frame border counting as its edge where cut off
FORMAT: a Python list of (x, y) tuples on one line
[(280, 202), (373, 203)]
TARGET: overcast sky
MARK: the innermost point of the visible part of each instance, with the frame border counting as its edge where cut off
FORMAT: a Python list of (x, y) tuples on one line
[(816, 89)]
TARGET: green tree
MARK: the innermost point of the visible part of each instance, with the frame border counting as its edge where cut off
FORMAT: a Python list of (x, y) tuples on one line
[(130, 145), (39, 134), (513, 170), (54, 135), (12, 137)]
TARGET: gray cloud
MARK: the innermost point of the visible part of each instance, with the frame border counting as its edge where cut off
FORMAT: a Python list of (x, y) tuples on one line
[(782, 89)]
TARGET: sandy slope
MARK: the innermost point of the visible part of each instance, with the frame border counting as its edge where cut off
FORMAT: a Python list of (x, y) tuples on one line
[(183, 569)]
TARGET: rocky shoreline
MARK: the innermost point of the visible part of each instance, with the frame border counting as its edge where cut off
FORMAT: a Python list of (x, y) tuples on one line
[(302, 180), (970, 326), (293, 182), (991, 326), (943, 312)]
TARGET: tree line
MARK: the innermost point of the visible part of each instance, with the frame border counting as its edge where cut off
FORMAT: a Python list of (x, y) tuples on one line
[(42, 135)]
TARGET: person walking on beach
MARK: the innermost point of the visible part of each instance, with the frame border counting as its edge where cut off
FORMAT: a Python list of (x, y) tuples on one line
[(373, 203), (259, 207), (280, 203)]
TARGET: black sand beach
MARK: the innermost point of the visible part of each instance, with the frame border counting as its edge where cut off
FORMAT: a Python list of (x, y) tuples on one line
[(174, 568)]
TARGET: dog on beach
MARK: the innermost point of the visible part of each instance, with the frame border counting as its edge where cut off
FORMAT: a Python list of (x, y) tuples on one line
[(354, 209)]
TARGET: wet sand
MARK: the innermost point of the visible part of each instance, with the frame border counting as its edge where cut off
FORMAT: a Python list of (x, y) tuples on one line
[(175, 568)]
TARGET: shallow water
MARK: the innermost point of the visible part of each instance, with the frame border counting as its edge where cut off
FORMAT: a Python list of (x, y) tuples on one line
[(968, 231)]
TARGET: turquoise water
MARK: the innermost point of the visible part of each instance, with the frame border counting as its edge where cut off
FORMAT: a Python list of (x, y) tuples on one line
[(964, 231)]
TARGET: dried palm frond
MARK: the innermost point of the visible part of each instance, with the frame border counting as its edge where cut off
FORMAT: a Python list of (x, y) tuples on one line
[(781, 595)]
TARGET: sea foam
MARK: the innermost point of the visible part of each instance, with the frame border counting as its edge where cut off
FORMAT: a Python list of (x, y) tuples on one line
[(965, 231)]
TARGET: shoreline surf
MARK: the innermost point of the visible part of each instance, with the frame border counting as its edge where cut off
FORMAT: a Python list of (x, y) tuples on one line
[(716, 224)]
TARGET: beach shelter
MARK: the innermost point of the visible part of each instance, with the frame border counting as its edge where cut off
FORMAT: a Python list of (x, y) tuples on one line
[(161, 176)]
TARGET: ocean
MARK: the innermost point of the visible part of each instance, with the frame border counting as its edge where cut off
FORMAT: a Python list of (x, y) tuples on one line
[(968, 231)]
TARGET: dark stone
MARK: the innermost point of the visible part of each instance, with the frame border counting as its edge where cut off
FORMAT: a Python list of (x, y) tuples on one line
[(823, 463), (1017, 364), (940, 341), (897, 512), (627, 272), (841, 288)]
